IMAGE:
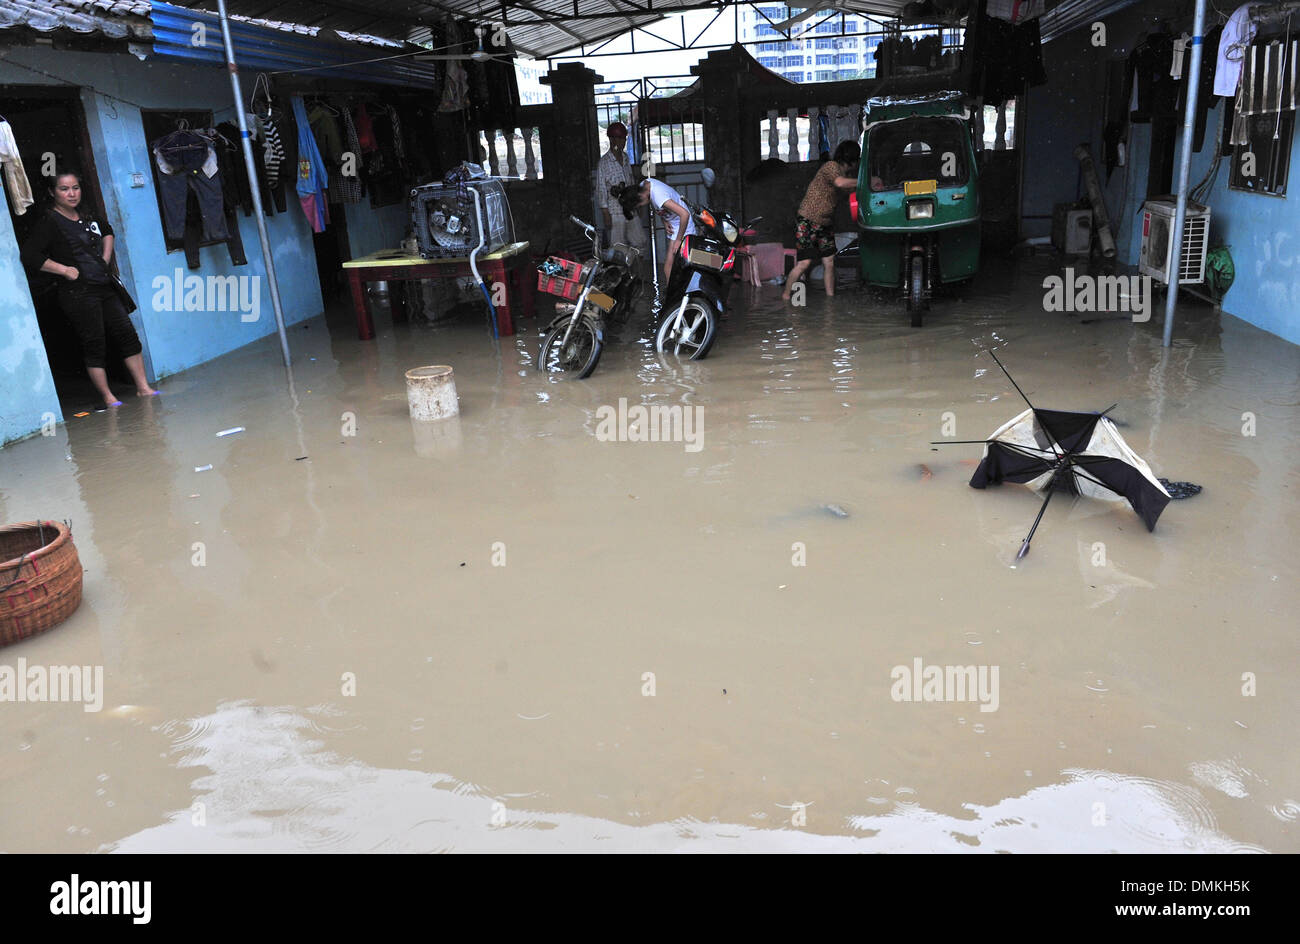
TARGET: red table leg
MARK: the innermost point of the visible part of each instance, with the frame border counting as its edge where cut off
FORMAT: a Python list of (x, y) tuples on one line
[(497, 272), (365, 327), (527, 277)]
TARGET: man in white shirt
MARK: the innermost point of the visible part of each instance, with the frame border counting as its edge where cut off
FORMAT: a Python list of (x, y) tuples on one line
[(613, 169)]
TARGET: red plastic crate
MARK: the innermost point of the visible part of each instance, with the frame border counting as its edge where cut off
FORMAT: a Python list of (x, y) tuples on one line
[(567, 283)]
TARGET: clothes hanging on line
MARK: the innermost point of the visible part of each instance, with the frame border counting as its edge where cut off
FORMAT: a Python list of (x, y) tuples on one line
[(234, 173), (1006, 58), (1205, 100), (1237, 35), (455, 87), (325, 126), (16, 182), (1149, 88), (384, 178), (312, 175), (365, 130), (399, 146), (273, 154), (233, 168), (422, 143), (187, 163), (1268, 78), (350, 187)]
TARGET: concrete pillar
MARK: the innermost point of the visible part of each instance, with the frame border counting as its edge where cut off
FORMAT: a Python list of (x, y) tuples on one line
[(721, 75), (571, 150)]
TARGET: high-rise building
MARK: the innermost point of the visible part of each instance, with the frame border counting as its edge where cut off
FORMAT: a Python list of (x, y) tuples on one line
[(816, 52)]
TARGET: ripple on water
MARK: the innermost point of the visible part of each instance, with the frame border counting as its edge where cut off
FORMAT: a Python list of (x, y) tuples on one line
[(1159, 814), (1288, 811)]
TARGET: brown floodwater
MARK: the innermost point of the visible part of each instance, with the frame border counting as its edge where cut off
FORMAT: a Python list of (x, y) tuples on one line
[(506, 633)]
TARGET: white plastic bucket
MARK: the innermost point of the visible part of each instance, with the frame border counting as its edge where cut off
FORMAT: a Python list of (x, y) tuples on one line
[(431, 393)]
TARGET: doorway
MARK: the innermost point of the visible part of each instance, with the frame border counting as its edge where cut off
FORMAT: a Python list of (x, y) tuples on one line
[(50, 128), (332, 250)]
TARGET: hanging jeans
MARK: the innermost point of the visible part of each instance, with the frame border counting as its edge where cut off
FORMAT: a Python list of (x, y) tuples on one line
[(175, 191), (193, 238)]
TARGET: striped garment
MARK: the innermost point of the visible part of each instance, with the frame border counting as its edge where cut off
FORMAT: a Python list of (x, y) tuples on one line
[(348, 186), (273, 154)]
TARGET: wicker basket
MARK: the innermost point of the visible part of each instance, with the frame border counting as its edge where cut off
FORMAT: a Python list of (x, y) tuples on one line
[(40, 578)]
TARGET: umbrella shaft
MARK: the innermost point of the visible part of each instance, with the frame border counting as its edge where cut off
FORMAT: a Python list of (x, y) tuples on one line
[(1050, 489)]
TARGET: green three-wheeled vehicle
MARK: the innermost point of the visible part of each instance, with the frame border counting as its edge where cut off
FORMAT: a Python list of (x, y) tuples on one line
[(917, 201)]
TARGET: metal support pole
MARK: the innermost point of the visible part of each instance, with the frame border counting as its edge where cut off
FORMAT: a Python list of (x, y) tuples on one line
[(246, 142), (1184, 167)]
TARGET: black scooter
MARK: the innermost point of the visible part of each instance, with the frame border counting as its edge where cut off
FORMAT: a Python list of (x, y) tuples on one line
[(696, 295)]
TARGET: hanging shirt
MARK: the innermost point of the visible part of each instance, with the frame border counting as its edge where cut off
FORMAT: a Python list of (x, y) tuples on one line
[(312, 176), (1237, 36), (20, 189), (325, 128), (660, 194)]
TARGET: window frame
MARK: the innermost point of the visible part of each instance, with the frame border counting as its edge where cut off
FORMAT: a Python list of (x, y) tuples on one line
[(1287, 138)]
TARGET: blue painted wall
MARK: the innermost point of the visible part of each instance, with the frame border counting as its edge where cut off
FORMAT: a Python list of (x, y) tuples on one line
[(372, 230), (26, 385), (1263, 232), (173, 340), (1263, 236)]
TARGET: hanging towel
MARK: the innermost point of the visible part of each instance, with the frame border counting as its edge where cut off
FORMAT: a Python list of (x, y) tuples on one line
[(1237, 35), (312, 175), (20, 189), (1268, 81)]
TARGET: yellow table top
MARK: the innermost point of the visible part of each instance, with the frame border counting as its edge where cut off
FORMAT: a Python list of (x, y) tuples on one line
[(400, 257)]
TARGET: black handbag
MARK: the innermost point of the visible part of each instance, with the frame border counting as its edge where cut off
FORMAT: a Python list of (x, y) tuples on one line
[(95, 241), (122, 294)]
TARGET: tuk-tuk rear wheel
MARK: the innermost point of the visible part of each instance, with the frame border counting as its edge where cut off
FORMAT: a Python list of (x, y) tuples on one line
[(916, 288)]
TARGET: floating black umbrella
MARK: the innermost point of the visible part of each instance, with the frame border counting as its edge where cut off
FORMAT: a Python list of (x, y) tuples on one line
[(1077, 453)]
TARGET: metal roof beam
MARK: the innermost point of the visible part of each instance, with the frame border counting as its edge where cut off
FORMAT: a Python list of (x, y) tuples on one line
[(559, 26), (624, 18)]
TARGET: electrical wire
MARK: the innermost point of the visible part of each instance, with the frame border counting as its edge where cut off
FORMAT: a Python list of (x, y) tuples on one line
[(360, 62), (76, 85)]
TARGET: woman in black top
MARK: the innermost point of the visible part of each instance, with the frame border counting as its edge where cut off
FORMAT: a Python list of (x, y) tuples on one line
[(70, 244)]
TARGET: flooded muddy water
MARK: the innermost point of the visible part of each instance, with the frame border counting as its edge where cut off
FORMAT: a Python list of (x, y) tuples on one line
[(507, 632)]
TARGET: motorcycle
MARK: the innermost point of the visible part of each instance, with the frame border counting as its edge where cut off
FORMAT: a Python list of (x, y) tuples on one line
[(696, 295), (607, 286)]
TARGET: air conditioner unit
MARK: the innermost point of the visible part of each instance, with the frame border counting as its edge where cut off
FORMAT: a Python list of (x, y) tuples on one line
[(1158, 244)]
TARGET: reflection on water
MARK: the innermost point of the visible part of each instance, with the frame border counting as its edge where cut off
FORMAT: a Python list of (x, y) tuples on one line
[(270, 786), (499, 590)]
